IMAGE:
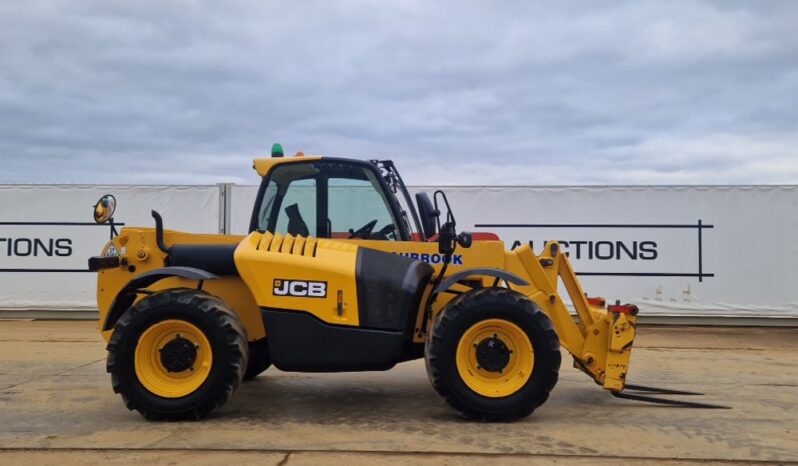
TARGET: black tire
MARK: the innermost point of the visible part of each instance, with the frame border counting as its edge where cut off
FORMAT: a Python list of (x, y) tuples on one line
[(467, 310), (221, 327), (259, 359)]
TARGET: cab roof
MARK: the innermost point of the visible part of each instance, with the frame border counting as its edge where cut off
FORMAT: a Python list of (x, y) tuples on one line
[(262, 166)]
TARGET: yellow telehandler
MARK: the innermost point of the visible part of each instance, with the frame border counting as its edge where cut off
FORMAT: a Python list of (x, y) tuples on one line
[(342, 271)]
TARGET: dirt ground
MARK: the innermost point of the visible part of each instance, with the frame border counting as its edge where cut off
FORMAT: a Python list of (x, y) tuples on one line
[(57, 407)]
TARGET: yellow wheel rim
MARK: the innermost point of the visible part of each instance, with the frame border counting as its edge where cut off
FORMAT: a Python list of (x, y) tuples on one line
[(509, 344), (185, 375)]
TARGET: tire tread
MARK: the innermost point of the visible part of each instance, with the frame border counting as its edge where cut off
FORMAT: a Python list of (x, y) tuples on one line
[(455, 311), (235, 336)]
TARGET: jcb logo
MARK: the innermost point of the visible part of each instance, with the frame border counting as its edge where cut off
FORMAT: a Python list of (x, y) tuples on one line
[(301, 288)]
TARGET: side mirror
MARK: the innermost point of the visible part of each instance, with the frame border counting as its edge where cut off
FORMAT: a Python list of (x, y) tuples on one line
[(104, 208), (428, 214)]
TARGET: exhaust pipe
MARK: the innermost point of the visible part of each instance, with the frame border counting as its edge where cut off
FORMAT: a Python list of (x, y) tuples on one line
[(159, 233)]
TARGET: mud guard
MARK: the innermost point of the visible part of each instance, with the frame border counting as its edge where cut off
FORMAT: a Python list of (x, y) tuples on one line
[(451, 280), (127, 295)]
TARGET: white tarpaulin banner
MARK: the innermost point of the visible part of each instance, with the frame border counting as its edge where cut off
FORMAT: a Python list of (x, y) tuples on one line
[(242, 200), (680, 251), (47, 234)]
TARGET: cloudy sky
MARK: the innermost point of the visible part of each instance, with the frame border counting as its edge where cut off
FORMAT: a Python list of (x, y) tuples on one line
[(460, 92)]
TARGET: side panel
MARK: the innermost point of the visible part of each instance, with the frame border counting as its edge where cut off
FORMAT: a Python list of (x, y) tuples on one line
[(301, 342), (332, 306), (389, 289), (310, 276)]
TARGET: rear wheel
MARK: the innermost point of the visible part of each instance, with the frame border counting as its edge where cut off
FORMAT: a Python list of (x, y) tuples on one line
[(493, 355), (176, 355)]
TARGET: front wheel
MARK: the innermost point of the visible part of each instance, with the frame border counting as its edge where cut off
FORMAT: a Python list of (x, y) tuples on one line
[(493, 355), (177, 355)]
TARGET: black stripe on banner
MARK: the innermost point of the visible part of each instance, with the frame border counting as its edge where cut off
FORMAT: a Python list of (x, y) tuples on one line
[(60, 224), (44, 270), (585, 225), (645, 274)]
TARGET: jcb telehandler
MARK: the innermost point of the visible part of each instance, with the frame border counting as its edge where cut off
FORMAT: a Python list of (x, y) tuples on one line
[(342, 272)]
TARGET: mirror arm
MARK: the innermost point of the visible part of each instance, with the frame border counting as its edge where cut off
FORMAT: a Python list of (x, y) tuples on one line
[(114, 233)]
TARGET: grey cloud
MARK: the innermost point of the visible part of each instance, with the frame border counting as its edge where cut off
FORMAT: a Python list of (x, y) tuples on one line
[(456, 92)]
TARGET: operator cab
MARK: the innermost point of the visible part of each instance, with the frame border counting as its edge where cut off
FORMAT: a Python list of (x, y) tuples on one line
[(333, 198)]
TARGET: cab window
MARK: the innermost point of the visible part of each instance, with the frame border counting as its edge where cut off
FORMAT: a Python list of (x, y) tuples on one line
[(358, 207), (326, 199), (299, 211)]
